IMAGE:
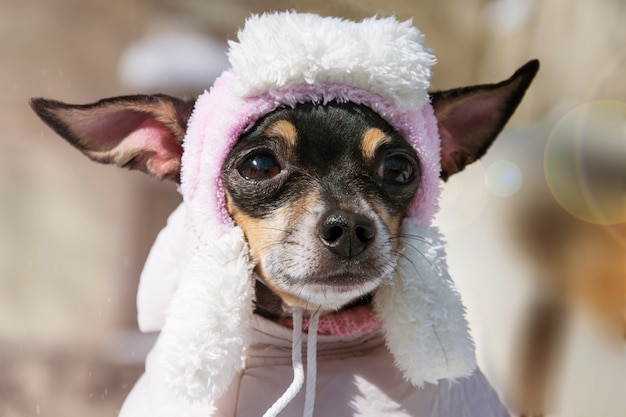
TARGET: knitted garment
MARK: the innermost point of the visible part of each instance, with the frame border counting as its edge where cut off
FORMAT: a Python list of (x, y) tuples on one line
[(281, 60)]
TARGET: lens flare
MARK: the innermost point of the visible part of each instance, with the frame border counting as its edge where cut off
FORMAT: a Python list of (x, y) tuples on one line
[(585, 162)]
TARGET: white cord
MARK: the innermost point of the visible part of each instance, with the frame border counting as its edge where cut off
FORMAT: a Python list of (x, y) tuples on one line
[(311, 366), (298, 370)]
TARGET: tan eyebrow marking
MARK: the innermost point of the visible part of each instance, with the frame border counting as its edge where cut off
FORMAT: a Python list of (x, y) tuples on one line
[(284, 130), (373, 138)]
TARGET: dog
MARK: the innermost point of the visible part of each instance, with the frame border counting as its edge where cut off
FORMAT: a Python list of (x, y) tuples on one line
[(339, 169), (320, 190)]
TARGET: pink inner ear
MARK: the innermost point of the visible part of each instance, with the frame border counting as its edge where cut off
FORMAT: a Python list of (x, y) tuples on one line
[(467, 127), (106, 128), (154, 145), (465, 123), (131, 138), (448, 146)]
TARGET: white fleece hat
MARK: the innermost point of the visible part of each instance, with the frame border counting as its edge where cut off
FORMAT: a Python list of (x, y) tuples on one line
[(283, 59)]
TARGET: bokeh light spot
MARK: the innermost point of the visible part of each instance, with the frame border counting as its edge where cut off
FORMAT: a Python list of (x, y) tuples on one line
[(585, 162), (504, 178), (463, 199)]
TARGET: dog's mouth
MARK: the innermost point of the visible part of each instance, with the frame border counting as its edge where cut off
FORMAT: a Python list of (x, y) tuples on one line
[(341, 282), (328, 293), (335, 290), (323, 283)]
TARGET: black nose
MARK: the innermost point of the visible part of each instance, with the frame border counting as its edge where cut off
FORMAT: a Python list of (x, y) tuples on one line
[(346, 234)]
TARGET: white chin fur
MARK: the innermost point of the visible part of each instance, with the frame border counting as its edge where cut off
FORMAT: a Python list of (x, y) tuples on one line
[(328, 297)]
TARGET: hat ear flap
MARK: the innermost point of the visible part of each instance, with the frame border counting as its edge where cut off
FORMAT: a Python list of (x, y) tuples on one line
[(207, 326), (422, 313)]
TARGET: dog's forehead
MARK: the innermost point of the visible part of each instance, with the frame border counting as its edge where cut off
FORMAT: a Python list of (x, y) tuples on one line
[(322, 133)]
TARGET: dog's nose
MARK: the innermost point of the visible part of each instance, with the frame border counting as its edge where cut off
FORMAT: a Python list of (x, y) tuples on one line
[(346, 234)]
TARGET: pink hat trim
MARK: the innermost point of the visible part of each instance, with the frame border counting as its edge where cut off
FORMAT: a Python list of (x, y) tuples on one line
[(220, 117)]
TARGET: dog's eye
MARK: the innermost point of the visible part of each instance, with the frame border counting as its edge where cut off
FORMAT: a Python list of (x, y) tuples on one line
[(396, 169), (259, 166)]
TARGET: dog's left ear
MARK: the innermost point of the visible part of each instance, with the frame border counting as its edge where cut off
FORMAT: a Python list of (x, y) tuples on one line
[(143, 132), (470, 118)]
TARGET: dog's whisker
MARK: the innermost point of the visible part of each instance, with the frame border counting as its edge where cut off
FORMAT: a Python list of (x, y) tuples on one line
[(402, 236), (416, 248), (414, 268), (275, 229)]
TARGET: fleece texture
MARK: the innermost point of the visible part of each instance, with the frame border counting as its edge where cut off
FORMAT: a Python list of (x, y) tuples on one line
[(280, 60), (207, 327), (383, 56), (220, 117), (422, 313)]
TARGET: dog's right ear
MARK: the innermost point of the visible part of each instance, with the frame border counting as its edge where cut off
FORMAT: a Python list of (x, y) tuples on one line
[(143, 132), (470, 118)]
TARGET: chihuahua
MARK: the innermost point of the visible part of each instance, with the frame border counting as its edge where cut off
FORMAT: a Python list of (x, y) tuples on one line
[(319, 190), (310, 176)]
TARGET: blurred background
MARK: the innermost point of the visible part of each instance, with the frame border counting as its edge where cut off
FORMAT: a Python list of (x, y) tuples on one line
[(537, 229)]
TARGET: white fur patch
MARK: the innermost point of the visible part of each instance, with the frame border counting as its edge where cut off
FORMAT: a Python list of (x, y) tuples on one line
[(380, 55)]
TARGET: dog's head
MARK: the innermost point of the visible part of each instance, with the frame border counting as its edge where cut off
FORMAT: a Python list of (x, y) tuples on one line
[(318, 189)]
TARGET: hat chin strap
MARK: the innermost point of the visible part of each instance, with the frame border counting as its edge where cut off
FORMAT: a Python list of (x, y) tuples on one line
[(207, 327), (298, 371)]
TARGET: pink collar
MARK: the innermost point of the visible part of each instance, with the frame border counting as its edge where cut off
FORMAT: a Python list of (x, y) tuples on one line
[(355, 321)]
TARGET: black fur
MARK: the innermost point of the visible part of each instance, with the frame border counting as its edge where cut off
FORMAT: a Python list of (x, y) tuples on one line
[(328, 156)]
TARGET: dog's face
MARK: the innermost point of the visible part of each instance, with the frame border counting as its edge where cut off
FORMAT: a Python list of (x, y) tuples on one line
[(319, 191)]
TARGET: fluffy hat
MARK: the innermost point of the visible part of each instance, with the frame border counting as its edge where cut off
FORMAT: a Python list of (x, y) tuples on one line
[(283, 59)]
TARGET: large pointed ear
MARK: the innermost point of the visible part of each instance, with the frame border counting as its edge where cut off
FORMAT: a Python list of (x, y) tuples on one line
[(470, 118), (143, 132)]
